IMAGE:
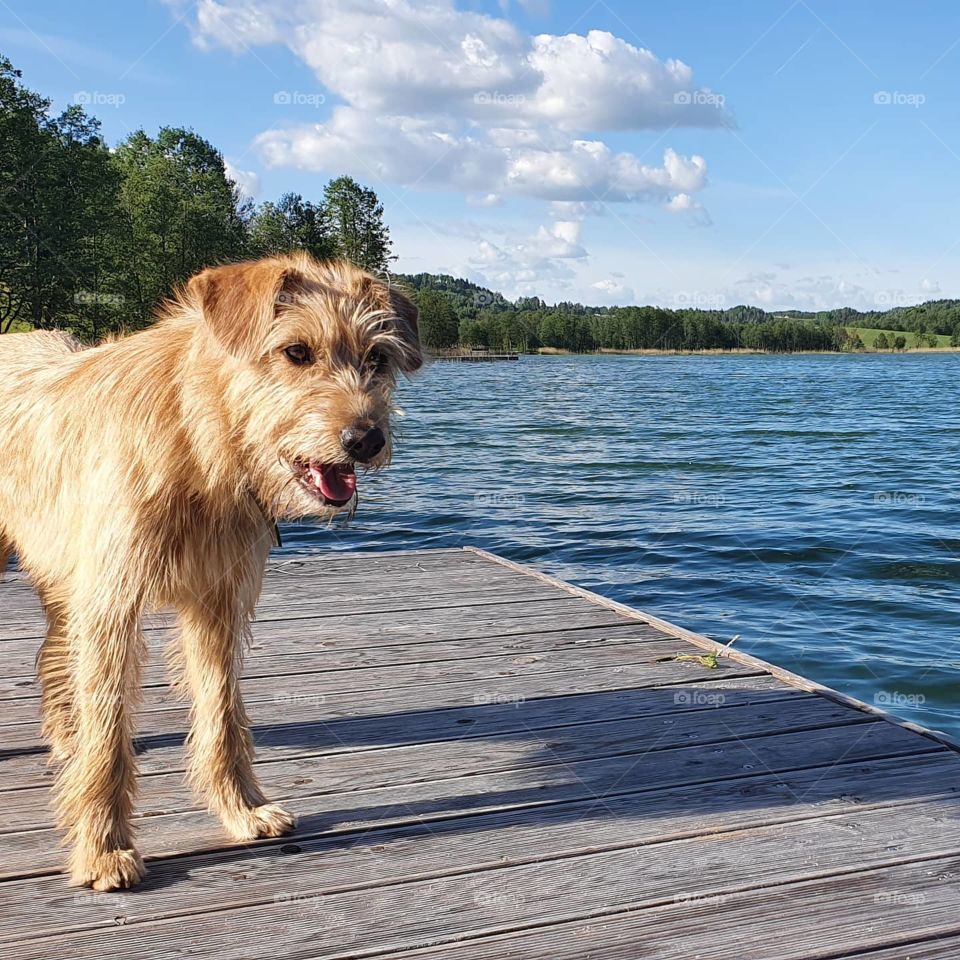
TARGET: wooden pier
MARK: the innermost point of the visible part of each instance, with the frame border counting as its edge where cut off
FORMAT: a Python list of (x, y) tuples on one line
[(492, 765), (475, 356)]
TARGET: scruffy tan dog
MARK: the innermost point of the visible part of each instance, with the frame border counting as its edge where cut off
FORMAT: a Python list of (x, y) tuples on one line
[(146, 472)]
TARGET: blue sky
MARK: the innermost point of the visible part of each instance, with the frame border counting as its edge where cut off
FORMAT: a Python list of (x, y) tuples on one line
[(789, 154)]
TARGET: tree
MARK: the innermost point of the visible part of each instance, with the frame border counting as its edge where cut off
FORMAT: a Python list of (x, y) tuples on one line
[(182, 212), (291, 224), (438, 323), (59, 206), (356, 218), (880, 341), (900, 343)]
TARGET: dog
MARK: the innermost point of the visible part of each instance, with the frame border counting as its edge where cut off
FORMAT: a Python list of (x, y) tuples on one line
[(148, 472)]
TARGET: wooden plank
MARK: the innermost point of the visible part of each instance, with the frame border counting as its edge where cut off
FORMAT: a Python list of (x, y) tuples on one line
[(320, 866), (296, 581), (449, 621), (660, 723), (814, 920), (350, 791), (306, 921), (340, 703), (616, 786), (267, 655), (944, 947), (308, 607), (312, 771), (314, 687)]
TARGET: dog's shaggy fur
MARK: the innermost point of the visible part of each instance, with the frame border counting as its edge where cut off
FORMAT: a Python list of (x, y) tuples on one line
[(146, 472)]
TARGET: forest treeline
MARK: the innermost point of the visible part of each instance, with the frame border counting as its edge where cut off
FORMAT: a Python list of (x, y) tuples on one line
[(455, 311), (91, 238)]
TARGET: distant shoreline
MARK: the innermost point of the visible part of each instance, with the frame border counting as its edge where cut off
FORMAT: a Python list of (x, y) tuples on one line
[(646, 352)]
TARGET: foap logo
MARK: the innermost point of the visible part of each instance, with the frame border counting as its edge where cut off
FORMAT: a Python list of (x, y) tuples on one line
[(699, 299), (97, 98), (698, 498), (697, 698), (296, 98), (496, 900), (300, 699), (491, 698), (896, 98), (486, 98), (91, 297), (483, 298), (898, 498), (893, 298), (699, 98), (894, 698), (498, 499), (894, 898)]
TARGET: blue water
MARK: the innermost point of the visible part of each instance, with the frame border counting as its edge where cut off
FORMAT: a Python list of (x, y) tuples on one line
[(807, 504)]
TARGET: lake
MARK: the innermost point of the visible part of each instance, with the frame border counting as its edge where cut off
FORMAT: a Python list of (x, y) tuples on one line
[(806, 503)]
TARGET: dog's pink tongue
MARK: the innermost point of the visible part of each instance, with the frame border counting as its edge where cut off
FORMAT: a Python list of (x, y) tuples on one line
[(335, 481)]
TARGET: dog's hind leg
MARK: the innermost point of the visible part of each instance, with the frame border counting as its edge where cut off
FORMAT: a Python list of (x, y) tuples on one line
[(6, 548), (96, 785), (56, 678), (212, 630)]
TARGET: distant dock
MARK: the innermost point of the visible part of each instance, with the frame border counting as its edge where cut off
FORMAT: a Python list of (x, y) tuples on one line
[(475, 356), (491, 764)]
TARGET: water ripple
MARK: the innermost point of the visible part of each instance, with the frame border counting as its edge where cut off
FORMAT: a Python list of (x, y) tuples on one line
[(806, 503)]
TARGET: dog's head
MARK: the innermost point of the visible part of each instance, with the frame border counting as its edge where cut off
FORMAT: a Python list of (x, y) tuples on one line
[(308, 354)]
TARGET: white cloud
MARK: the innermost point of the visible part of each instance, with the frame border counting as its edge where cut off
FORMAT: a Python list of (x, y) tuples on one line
[(247, 181), (611, 291), (518, 265), (412, 151), (441, 97), (684, 204), (436, 97)]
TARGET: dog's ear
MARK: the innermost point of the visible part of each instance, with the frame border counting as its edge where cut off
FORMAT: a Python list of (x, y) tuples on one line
[(239, 301), (403, 311)]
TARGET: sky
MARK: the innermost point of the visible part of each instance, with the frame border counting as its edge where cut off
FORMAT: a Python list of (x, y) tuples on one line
[(792, 154)]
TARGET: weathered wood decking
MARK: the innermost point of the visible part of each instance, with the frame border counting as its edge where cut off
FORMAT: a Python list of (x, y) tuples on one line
[(490, 765)]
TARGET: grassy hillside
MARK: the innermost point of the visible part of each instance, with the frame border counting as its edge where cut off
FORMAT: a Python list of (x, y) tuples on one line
[(869, 334)]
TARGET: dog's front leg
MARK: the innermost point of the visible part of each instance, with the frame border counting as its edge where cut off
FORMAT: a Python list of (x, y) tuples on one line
[(220, 745), (96, 785)]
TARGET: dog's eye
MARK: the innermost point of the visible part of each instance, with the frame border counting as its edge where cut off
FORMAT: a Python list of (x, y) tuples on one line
[(378, 359), (299, 354)]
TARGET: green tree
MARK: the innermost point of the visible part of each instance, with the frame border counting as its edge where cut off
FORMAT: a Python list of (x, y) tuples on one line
[(439, 326), (880, 341), (900, 343), (59, 204), (356, 219), (181, 212), (291, 224)]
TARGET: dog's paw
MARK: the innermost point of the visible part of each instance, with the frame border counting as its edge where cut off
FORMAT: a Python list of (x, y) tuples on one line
[(114, 870), (257, 823)]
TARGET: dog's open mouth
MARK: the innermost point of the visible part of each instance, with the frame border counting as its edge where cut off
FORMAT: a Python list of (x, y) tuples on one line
[(334, 483)]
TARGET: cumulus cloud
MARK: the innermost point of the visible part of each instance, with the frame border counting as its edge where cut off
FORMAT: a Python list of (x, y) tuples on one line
[(430, 96), (247, 181), (610, 291), (517, 265), (410, 150), (442, 97)]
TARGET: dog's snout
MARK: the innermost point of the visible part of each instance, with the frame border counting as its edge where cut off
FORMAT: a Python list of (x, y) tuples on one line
[(362, 444)]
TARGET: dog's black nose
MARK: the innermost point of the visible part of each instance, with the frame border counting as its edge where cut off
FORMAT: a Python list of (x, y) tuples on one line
[(362, 445)]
